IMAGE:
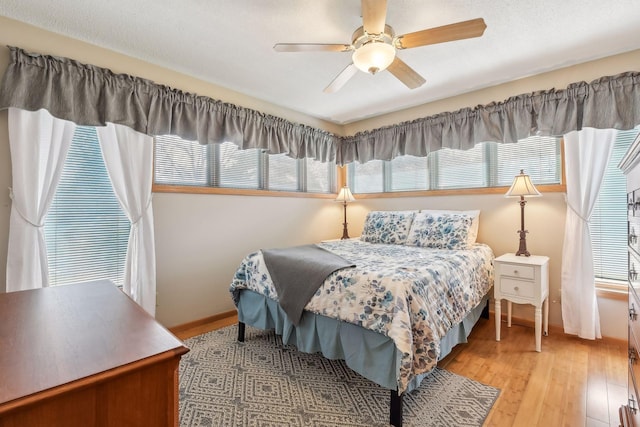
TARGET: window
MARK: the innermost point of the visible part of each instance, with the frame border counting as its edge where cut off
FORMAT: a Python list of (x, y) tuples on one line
[(86, 231), (283, 173), (238, 168), (488, 164), (188, 163), (608, 222), (539, 156), (461, 168), (408, 173), (367, 177), (319, 177), (180, 162)]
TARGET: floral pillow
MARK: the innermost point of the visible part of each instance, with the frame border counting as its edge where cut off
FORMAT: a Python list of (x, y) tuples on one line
[(390, 227), (475, 221), (440, 231)]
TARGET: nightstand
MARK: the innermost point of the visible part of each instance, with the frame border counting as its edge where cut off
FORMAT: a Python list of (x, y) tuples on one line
[(523, 280)]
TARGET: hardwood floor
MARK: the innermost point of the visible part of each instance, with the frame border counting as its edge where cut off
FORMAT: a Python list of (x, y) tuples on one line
[(572, 382)]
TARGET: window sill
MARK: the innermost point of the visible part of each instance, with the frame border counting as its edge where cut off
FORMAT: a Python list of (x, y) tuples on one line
[(612, 290), (551, 188), (157, 188)]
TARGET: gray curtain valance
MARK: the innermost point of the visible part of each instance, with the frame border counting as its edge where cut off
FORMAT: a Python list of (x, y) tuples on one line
[(609, 102), (92, 96)]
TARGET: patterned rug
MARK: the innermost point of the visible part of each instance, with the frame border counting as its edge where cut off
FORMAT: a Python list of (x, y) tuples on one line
[(262, 383)]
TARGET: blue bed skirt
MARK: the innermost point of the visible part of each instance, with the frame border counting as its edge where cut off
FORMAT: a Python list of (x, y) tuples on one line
[(372, 355)]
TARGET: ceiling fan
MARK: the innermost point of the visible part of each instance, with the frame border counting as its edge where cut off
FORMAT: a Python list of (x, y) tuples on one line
[(374, 45)]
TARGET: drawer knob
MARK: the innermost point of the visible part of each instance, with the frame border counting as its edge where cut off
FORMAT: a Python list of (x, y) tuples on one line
[(515, 271), (516, 288)]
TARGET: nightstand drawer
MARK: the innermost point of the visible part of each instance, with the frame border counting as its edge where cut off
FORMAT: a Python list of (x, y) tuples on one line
[(518, 288), (520, 271)]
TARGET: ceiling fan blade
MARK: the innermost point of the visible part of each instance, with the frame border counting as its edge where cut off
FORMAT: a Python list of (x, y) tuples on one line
[(341, 79), (406, 74), (311, 47), (446, 33), (374, 15)]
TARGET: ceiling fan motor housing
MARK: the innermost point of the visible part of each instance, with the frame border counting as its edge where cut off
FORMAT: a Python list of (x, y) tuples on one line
[(373, 52)]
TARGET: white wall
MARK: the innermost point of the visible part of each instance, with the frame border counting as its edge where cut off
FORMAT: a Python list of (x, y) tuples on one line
[(200, 239)]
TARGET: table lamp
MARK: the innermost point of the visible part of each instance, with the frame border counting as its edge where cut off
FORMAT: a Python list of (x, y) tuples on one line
[(345, 197), (522, 187)]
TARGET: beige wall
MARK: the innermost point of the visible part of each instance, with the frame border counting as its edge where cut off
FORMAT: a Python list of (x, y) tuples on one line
[(200, 239)]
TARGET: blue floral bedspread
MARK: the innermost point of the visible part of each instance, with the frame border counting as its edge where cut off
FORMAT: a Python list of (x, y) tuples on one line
[(412, 295)]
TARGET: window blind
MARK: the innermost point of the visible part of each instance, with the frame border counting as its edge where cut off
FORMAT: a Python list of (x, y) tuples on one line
[(188, 163), (238, 168), (366, 177), (538, 156), (409, 173), (488, 164), (86, 231), (320, 177), (608, 222), (282, 172), (461, 168), (181, 162)]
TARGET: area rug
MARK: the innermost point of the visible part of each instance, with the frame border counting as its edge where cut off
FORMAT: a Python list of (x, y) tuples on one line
[(262, 383)]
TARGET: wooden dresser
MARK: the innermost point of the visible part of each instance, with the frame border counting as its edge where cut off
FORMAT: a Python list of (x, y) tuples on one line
[(85, 355), (630, 165)]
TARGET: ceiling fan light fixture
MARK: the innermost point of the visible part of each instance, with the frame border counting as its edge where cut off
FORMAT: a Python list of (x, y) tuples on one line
[(373, 57)]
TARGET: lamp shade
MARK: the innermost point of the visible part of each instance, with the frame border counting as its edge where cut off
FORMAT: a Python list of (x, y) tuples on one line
[(345, 196), (373, 57), (522, 187)]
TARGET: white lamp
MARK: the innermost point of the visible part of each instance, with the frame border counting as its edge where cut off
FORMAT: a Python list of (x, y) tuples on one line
[(522, 187), (374, 56), (345, 196)]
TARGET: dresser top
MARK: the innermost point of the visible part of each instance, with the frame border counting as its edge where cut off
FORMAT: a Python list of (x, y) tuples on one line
[(530, 260), (58, 335)]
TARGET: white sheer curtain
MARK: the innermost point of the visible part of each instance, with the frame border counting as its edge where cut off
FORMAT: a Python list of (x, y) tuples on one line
[(39, 145), (586, 156), (128, 156)]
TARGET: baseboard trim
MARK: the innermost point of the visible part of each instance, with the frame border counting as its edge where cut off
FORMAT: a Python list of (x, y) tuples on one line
[(199, 322)]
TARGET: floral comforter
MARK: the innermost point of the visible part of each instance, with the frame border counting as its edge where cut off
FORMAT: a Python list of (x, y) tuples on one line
[(412, 295)]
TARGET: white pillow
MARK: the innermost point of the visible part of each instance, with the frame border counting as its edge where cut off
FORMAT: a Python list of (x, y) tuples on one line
[(475, 221)]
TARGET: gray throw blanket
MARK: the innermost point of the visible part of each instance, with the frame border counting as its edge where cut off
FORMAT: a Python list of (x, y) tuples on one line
[(297, 273)]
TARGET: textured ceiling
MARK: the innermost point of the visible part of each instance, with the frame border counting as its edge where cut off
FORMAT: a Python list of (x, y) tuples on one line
[(230, 43)]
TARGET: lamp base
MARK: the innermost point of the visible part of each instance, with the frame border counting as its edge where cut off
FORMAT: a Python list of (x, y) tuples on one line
[(345, 233), (522, 250)]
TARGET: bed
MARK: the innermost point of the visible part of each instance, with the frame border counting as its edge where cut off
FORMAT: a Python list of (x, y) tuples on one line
[(418, 284)]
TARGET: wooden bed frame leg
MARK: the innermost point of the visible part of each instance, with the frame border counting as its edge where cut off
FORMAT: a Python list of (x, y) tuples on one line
[(240, 332), (395, 409)]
